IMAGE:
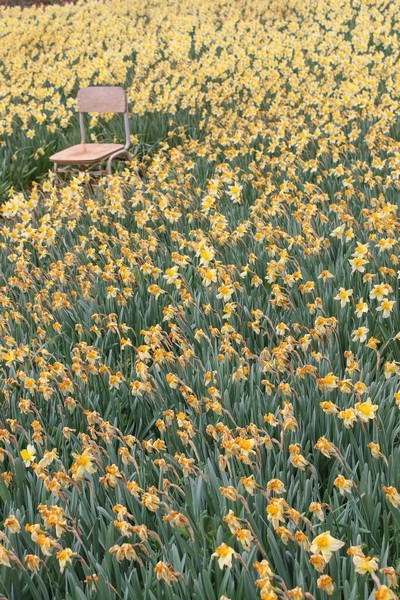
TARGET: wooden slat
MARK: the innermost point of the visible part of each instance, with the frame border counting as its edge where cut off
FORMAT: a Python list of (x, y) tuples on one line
[(102, 99), (85, 153)]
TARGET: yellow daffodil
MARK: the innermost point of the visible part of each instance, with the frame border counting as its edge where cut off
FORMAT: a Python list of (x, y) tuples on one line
[(28, 455), (365, 410), (343, 485), (344, 296), (83, 465), (392, 495), (325, 583), (166, 572), (224, 554), (325, 545), (64, 557), (365, 564)]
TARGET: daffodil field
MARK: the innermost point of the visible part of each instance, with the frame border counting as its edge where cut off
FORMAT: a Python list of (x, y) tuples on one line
[(200, 356)]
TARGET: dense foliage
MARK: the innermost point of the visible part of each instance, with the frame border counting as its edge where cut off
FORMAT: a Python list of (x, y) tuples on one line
[(200, 357)]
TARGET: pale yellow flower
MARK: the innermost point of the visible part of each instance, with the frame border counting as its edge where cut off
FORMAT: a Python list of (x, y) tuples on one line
[(4, 556), (365, 410), (325, 583), (12, 524), (385, 593), (64, 557), (150, 501), (276, 486), (344, 296), (386, 307), (83, 465), (245, 537), (224, 554), (325, 544), (166, 572), (361, 308), (344, 485), (32, 562), (360, 334), (365, 564), (28, 455), (392, 495)]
